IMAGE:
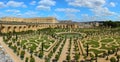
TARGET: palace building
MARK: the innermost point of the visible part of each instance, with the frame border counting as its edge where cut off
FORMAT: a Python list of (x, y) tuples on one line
[(13, 24), (31, 20)]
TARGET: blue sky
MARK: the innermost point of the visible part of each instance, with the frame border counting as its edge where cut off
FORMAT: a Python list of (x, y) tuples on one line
[(76, 10)]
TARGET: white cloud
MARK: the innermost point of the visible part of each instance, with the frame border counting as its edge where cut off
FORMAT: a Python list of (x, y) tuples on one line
[(86, 3), (27, 14), (12, 4), (70, 10), (72, 17), (70, 13), (13, 10), (33, 3), (117, 17), (24, 6), (2, 14), (86, 17), (42, 7), (96, 6), (45, 4), (30, 13), (102, 11), (15, 4), (19, 14), (55, 15), (112, 4), (2, 4)]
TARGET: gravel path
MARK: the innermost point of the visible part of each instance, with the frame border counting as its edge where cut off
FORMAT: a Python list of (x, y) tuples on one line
[(72, 52), (53, 57), (10, 52), (64, 51)]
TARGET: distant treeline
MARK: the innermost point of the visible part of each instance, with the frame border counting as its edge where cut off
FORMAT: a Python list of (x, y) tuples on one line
[(112, 24)]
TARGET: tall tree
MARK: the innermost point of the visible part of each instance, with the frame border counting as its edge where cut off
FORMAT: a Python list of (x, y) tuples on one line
[(112, 59), (96, 55), (118, 58), (16, 37), (42, 46), (42, 50), (87, 50)]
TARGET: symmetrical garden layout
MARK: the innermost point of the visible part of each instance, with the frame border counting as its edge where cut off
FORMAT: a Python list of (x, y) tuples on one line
[(68, 45)]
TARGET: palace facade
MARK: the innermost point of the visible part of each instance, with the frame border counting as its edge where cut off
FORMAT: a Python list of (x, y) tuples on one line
[(12, 24), (31, 20)]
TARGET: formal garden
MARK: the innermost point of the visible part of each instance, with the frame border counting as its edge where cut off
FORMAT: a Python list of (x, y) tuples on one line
[(66, 45)]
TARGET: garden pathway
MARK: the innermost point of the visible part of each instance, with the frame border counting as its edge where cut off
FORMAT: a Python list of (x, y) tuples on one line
[(64, 51), (72, 50), (57, 50), (10, 51)]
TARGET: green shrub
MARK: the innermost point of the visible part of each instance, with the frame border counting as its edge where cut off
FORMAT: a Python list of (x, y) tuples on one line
[(26, 59), (32, 59), (22, 54)]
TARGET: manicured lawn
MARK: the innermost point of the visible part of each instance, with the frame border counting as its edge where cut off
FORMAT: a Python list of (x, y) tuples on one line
[(46, 46), (52, 41), (96, 51), (32, 46), (107, 40), (32, 40), (23, 42), (68, 35), (94, 43), (108, 48)]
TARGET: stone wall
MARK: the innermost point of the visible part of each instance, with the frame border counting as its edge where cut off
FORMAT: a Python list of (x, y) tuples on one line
[(6, 28), (31, 20)]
